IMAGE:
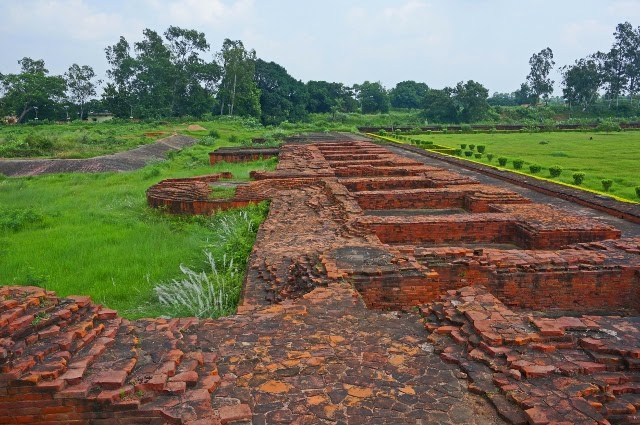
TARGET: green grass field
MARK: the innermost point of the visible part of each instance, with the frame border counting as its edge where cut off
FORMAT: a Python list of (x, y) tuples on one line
[(614, 156), (93, 234)]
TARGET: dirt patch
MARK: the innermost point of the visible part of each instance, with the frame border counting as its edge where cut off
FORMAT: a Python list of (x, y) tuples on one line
[(195, 127)]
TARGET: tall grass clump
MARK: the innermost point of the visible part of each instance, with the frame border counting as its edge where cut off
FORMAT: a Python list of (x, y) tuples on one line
[(210, 293), (215, 291)]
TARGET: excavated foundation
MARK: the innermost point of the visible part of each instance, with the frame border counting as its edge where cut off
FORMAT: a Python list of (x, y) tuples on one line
[(527, 311)]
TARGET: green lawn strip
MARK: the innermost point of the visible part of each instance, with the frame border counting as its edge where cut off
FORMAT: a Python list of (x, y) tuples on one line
[(94, 234), (600, 156)]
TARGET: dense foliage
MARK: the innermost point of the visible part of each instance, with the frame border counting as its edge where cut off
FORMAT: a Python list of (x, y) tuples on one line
[(175, 74)]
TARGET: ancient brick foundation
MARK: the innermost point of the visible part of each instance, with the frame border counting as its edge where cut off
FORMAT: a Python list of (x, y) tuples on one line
[(530, 304)]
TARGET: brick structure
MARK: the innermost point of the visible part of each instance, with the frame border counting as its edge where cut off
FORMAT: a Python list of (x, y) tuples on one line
[(241, 154), (507, 288)]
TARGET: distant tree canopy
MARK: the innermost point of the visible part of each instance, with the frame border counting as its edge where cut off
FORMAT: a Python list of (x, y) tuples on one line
[(408, 94), (31, 90), (373, 97), (165, 77), (464, 103), (327, 97), (176, 74), (282, 98)]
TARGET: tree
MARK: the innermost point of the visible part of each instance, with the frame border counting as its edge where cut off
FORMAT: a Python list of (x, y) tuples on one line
[(118, 94), (470, 99), (32, 89), (165, 77), (408, 94), (627, 43), (194, 79), (373, 97), (281, 96), (330, 97), (538, 78), (581, 82), (238, 90), (439, 106), (80, 87), (502, 99), (523, 95)]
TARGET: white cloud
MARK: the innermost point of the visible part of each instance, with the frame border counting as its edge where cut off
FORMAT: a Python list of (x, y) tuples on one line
[(586, 33), (63, 19), (204, 13)]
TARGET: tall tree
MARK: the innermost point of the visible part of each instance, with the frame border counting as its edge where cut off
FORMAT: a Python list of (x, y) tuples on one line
[(281, 96), (32, 89), (80, 85), (165, 77), (194, 79), (238, 90), (523, 95), (373, 97), (581, 82), (538, 79), (439, 106), (330, 97), (408, 94), (627, 42), (118, 94), (470, 99)]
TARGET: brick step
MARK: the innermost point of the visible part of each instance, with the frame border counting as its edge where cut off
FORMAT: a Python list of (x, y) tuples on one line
[(59, 344)]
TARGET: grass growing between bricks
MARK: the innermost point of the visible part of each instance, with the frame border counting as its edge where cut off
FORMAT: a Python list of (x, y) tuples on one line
[(93, 234), (599, 156)]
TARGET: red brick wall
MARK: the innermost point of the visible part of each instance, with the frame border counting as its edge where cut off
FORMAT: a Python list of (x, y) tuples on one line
[(486, 231)]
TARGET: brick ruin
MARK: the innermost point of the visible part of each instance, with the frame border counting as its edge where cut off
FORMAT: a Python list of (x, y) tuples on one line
[(527, 306)]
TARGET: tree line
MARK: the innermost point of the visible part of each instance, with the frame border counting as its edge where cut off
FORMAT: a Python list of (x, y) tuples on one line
[(167, 75)]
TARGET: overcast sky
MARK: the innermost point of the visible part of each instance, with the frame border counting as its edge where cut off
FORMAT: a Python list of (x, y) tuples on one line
[(350, 41)]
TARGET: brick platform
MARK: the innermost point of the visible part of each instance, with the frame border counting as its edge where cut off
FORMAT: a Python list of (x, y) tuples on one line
[(355, 230), (241, 154)]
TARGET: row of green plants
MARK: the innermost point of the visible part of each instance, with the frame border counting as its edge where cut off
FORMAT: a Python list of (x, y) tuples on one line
[(518, 164)]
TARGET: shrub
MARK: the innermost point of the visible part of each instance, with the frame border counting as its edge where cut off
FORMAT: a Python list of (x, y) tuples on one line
[(463, 146), (468, 153), (578, 178), (478, 155), (490, 156), (518, 163), (544, 142), (481, 148), (608, 126), (459, 152), (534, 168), (555, 171), (234, 139), (606, 184), (502, 161), (493, 130), (214, 133), (465, 128), (382, 133), (638, 191), (472, 147)]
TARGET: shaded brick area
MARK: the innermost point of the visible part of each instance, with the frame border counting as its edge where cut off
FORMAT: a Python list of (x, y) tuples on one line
[(578, 370), (241, 154)]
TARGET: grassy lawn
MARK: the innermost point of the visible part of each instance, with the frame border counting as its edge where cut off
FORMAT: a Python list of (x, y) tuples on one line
[(614, 156), (93, 234)]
